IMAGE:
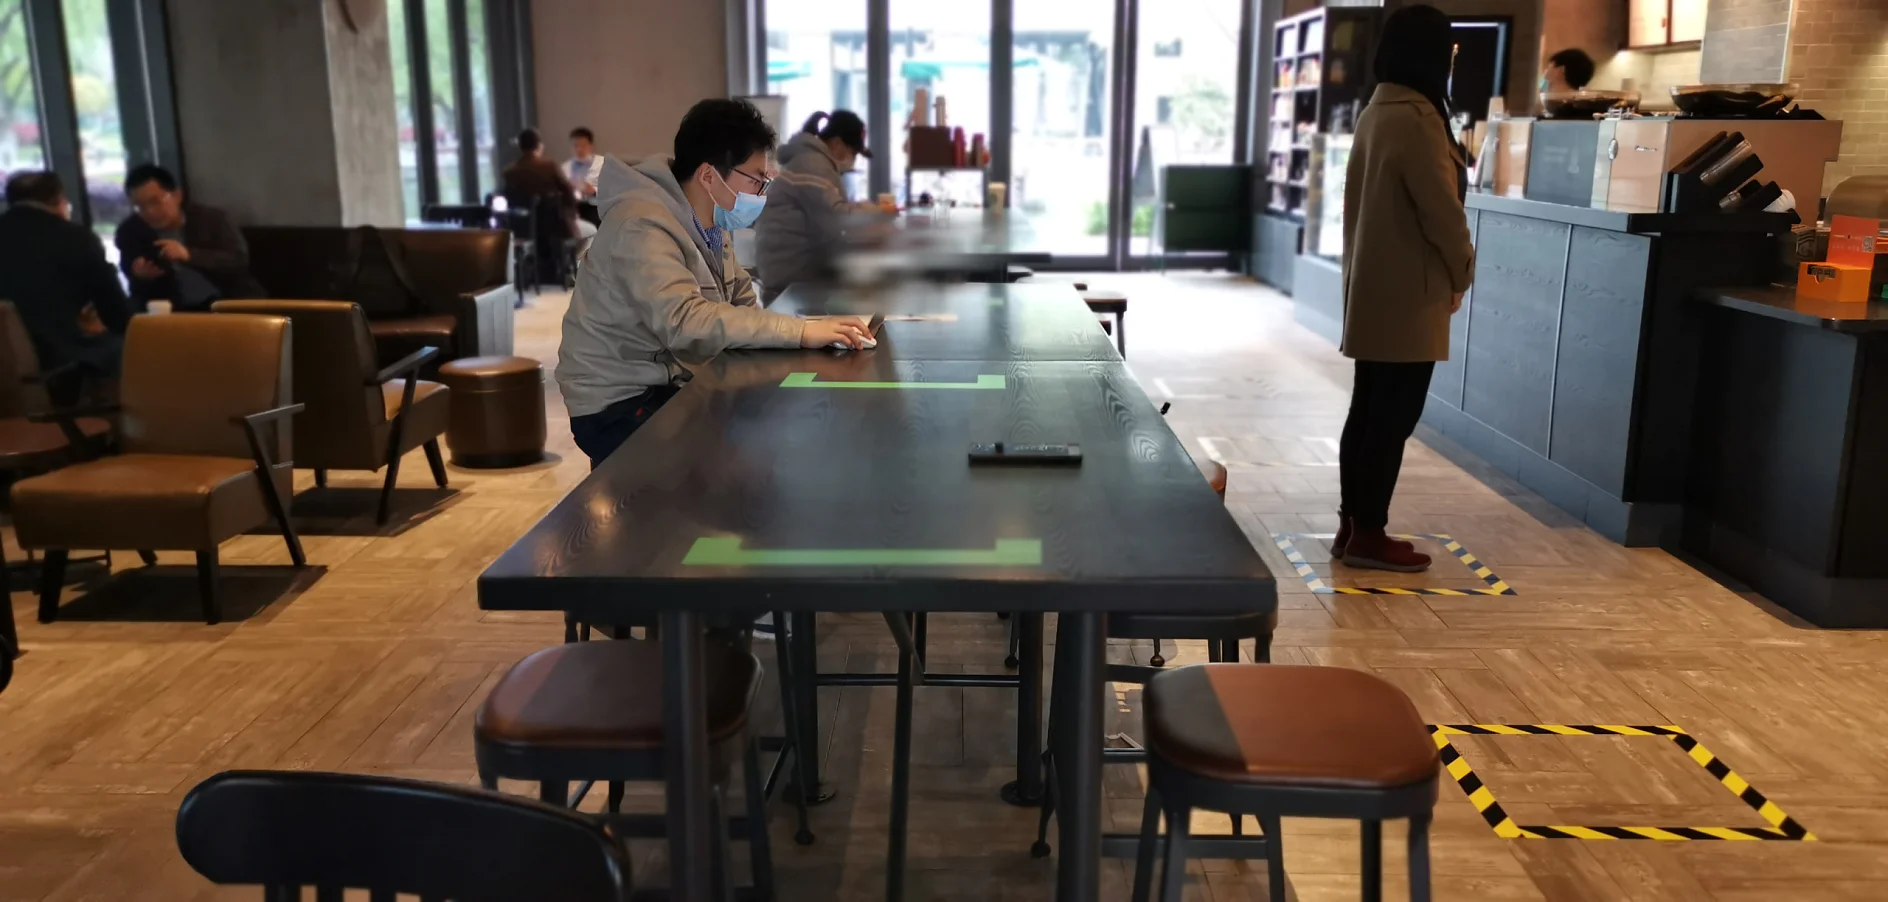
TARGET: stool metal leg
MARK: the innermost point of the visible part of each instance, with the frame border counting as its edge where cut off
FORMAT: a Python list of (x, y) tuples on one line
[(1373, 861), (1150, 841), (554, 792), (1274, 858), (759, 844), (615, 802), (717, 819), (1014, 659), (1419, 859), (1174, 873)]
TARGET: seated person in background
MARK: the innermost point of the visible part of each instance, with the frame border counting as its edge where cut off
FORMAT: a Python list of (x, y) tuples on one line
[(532, 178), (1569, 70), (585, 165), (177, 251), (807, 210), (662, 287), (55, 273)]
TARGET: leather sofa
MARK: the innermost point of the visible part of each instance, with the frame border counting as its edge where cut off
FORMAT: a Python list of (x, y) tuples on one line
[(444, 288)]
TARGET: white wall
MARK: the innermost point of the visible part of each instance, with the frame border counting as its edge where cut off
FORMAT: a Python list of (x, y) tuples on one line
[(627, 69)]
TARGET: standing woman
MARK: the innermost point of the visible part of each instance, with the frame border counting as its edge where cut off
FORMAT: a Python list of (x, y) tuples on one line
[(805, 220), (1407, 262)]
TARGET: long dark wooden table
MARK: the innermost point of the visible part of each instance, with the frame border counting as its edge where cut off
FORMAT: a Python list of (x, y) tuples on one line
[(839, 481)]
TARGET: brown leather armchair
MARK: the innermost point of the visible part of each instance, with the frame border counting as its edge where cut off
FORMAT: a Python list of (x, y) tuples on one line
[(206, 439), (31, 439), (444, 288), (358, 416)]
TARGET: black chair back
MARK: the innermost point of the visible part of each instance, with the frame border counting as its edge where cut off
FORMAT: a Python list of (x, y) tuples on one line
[(286, 830)]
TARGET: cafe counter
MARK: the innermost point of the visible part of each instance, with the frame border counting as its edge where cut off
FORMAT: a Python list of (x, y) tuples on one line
[(1573, 366)]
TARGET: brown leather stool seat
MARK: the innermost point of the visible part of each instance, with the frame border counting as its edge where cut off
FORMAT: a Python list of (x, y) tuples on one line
[(1104, 302), (1275, 741), (608, 695), (1288, 725), (591, 712), (497, 411)]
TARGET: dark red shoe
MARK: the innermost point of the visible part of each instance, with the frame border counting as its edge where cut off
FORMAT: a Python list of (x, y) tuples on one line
[(1342, 539), (1373, 550)]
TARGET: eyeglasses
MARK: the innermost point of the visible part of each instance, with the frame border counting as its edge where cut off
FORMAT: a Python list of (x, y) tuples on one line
[(762, 182)]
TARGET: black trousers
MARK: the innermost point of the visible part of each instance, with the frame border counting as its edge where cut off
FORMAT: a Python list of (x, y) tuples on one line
[(1385, 403), (599, 434)]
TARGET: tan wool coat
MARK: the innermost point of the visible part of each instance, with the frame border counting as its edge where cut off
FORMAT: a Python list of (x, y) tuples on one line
[(1406, 244)]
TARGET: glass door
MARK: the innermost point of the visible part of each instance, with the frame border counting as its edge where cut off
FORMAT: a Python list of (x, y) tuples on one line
[(21, 146), (945, 50), (1063, 129), (1186, 82)]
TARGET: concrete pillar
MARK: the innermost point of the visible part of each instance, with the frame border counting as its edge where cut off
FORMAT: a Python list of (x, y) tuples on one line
[(286, 111)]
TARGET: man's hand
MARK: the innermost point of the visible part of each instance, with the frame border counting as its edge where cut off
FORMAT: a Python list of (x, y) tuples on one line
[(820, 333), (144, 269), (589, 190), (173, 251), (90, 325), (1455, 304)]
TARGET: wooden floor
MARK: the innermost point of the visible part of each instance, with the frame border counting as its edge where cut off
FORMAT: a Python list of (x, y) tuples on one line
[(374, 661)]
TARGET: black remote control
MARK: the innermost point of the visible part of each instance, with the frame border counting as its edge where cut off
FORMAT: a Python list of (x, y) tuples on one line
[(1013, 453)]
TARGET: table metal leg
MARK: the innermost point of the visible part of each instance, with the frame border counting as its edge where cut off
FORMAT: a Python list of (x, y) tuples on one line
[(805, 649), (685, 732), (901, 776), (1027, 790), (1078, 762)]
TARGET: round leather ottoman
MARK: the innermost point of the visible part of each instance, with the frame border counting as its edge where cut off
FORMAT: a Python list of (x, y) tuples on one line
[(497, 417)]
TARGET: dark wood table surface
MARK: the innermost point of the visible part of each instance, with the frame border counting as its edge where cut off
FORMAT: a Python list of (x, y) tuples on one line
[(966, 321), (840, 481)]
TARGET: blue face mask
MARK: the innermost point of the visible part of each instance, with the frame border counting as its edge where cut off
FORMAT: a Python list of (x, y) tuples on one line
[(746, 210)]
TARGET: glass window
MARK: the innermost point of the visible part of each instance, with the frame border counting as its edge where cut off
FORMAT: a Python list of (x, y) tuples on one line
[(20, 144), (1059, 159), (1186, 82), (944, 49), (409, 149), (816, 60), (445, 112), (481, 65), (95, 99)]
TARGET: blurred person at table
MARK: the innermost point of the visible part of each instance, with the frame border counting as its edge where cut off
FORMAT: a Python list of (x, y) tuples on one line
[(69, 299), (532, 179), (585, 163), (661, 289), (807, 211), (1569, 70), (1407, 263), (174, 250)]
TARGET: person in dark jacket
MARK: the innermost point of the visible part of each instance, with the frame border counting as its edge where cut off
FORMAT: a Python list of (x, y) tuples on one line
[(176, 251), (55, 273), (533, 179)]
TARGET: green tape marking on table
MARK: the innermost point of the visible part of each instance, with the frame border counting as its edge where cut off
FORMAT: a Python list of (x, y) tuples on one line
[(807, 380), (727, 552)]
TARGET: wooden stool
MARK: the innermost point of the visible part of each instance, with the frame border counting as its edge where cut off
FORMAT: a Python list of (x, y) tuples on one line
[(497, 415), (1103, 302), (1278, 741), (592, 711)]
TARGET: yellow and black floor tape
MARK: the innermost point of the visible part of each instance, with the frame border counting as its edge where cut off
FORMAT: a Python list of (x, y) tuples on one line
[(1782, 826), (1496, 586)]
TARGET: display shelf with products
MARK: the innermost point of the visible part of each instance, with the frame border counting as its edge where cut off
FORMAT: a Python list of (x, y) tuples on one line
[(1320, 61)]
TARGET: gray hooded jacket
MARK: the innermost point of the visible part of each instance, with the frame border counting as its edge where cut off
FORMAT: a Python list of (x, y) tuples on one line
[(805, 219), (649, 297)]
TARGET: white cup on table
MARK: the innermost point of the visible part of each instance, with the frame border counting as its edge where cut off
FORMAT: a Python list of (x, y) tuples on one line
[(157, 307)]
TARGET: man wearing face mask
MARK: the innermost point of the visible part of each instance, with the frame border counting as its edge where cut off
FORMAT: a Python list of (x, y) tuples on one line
[(1568, 70), (661, 286), (807, 210)]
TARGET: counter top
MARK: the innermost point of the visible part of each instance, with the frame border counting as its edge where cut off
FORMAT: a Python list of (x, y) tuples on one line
[(1628, 221), (1779, 302)]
